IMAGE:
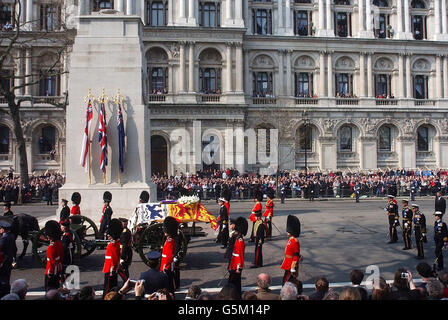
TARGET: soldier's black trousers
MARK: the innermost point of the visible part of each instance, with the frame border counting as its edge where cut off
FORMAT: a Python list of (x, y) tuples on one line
[(52, 281), (439, 254), (223, 235), (288, 275), (258, 254), (419, 243), (235, 279), (392, 229), (268, 223), (110, 281), (123, 272), (173, 279), (407, 236)]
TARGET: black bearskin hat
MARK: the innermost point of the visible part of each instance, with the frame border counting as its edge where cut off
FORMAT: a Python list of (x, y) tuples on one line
[(170, 226), (293, 226), (107, 196), (53, 229), (115, 229), (270, 193), (258, 195), (241, 225), (76, 198), (144, 196), (225, 192)]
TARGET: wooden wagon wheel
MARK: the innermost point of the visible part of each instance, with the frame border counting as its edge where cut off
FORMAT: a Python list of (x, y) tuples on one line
[(86, 232), (40, 245), (153, 239)]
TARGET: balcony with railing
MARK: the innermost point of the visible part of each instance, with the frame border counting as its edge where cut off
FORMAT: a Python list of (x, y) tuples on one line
[(306, 101), (36, 100), (205, 98), (424, 102), (386, 102), (347, 101), (157, 97), (264, 100)]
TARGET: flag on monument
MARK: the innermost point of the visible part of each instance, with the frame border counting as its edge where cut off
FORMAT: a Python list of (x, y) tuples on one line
[(121, 134), (102, 137), (86, 143)]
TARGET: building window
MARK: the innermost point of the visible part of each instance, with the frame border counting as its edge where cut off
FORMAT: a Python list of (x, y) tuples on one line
[(49, 85), (262, 19), (47, 139), (304, 84), (423, 139), (157, 13), (385, 139), (342, 2), (419, 27), (381, 28), (420, 87), (209, 14), (5, 17), (306, 138), (381, 3), (302, 23), (49, 17), (262, 83), (345, 139), (210, 80), (6, 79), (303, 1), (342, 23), (418, 4), (383, 85), (344, 85), (159, 80), (102, 4), (4, 140)]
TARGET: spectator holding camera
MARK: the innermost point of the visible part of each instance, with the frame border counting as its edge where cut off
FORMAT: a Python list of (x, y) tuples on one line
[(404, 287)]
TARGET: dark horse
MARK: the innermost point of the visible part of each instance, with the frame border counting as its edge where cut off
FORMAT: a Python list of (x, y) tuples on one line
[(22, 225)]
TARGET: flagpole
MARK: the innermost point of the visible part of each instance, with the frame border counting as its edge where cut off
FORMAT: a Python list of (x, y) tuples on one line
[(118, 99), (90, 161), (103, 98), (89, 99)]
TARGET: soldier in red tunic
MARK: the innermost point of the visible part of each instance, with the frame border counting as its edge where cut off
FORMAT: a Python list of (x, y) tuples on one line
[(112, 258), (258, 207), (75, 212), (170, 253), (226, 194), (269, 212), (55, 256), (292, 252), (236, 263)]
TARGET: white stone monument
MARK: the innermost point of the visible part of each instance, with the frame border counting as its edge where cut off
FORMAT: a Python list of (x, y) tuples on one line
[(108, 53)]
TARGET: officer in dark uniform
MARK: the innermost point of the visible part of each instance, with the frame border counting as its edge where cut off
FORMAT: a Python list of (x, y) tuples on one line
[(392, 213), (406, 214), (259, 234), (223, 235), (8, 212), (154, 278), (419, 221), (357, 190), (440, 238), (65, 211), (7, 252), (68, 243), (107, 214), (232, 238), (126, 251), (440, 203)]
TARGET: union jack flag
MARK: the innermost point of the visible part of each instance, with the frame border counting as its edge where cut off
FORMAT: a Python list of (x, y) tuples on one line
[(86, 144), (102, 137), (121, 134)]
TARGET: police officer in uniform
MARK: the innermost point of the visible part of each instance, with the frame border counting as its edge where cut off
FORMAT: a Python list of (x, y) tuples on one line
[(440, 238), (413, 187), (419, 221), (392, 213), (112, 257), (8, 212), (7, 252), (236, 263), (259, 234), (223, 235), (406, 214), (65, 211), (440, 203), (126, 250), (292, 251), (357, 190), (107, 214)]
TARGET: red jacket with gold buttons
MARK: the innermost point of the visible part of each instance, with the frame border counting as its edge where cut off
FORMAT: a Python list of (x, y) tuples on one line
[(55, 256), (269, 212), (112, 259), (237, 261), (168, 254), (292, 253)]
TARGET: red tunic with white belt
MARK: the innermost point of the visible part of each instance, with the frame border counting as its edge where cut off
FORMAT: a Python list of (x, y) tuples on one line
[(75, 210), (237, 261), (167, 262), (292, 252), (257, 208), (112, 259), (269, 212), (55, 256)]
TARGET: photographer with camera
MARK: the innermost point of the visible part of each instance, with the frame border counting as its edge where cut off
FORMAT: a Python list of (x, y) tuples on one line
[(404, 287)]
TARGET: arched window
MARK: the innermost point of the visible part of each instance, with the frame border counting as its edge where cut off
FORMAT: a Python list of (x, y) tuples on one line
[(4, 140), (102, 4), (210, 80), (385, 138), (47, 139), (345, 139), (306, 138), (423, 138)]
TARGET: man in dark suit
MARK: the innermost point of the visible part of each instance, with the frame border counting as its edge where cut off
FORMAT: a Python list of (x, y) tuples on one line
[(154, 278), (440, 203)]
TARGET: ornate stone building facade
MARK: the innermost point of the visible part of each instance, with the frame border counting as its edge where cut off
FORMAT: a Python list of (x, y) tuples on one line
[(356, 84)]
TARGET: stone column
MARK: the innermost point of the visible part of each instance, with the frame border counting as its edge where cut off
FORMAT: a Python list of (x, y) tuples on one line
[(29, 14), (321, 15), (329, 18), (120, 5), (407, 16), (330, 74), (280, 82), (182, 19), (288, 25), (439, 93), (170, 78), (288, 73), (362, 75), (361, 17), (191, 68), (280, 16), (28, 71), (19, 71), (445, 77), (82, 7), (437, 17), (369, 74), (239, 14), (191, 13), (239, 70), (247, 17), (408, 77), (129, 7), (229, 12), (229, 67), (369, 27), (400, 75), (444, 17), (399, 17), (322, 74), (247, 74), (170, 13), (182, 66), (29, 152)]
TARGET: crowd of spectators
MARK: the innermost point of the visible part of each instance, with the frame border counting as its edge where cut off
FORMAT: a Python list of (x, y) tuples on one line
[(296, 184), (6, 27), (432, 286)]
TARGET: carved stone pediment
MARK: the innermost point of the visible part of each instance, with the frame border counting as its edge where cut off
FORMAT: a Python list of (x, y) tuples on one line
[(421, 65), (263, 61), (305, 62), (384, 64)]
